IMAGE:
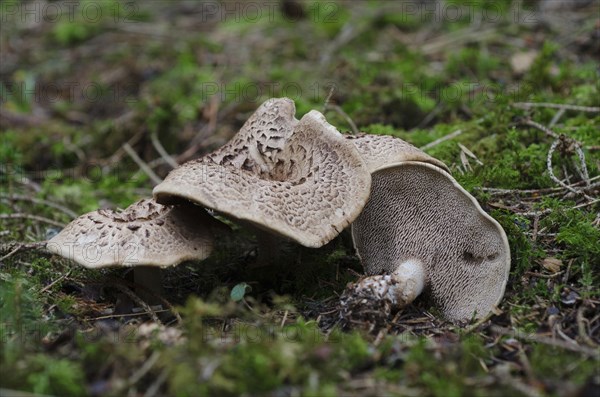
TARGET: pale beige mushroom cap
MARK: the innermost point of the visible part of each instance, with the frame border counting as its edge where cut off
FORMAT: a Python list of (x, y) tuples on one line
[(298, 179), (417, 210), (381, 150), (144, 234)]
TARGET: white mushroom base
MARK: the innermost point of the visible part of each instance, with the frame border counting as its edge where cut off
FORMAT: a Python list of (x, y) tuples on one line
[(373, 298)]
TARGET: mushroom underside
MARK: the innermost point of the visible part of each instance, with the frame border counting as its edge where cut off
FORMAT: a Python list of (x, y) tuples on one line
[(416, 210)]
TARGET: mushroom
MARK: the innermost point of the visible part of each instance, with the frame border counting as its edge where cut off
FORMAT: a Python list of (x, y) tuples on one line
[(145, 235), (300, 180), (421, 231), (381, 150)]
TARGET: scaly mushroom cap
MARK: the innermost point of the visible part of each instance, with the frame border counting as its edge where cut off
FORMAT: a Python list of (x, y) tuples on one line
[(144, 234), (299, 179), (381, 150), (417, 210)]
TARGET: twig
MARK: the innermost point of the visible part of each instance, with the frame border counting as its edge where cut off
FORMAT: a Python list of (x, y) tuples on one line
[(144, 369), (117, 283), (586, 204), (38, 218), (473, 327), (557, 117), (442, 139), (536, 191), (155, 386), (551, 172), (546, 340), (52, 284), (34, 200), (544, 129), (161, 150), (150, 292), (581, 320), (534, 214), (527, 105), (147, 170), (123, 315), (11, 253), (328, 98), (23, 246), (583, 171), (341, 112)]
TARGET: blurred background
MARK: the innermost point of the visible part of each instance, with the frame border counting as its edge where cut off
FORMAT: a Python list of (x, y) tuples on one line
[(81, 79)]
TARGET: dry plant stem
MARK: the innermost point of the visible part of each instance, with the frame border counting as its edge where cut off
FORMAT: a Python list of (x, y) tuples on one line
[(38, 218), (144, 369), (582, 328), (553, 190), (341, 112), (527, 105), (555, 179), (116, 157), (557, 117), (156, 297), (53, 283), (540, 127), (155, 386), (442, 139), (34, 200), (473, 327), (123, 288), (122, 315), (547, 341), (161, 150), (10, 247), (11, 253), (144, 167)]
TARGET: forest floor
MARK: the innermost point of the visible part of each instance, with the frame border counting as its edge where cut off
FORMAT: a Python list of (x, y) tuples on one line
[(506, 93)]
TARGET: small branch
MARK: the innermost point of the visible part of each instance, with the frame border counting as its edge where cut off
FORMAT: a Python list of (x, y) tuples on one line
[(555, 179), (582, 329), (118, 284), (11, 253), (536, 125), (144, 167), (161, 150), (442, 139), (528, 105), (34, 200), (341, 112), (38, 218), (546, 340), (14, 247), (53, 283)]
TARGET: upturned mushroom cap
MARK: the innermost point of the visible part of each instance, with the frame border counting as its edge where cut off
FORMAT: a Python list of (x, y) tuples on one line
[(298, 179), (144, 234), (381, 150), (417, 210)]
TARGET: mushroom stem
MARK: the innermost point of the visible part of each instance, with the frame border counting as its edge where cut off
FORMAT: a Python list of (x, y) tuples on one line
[(150, 278), (401, 287)]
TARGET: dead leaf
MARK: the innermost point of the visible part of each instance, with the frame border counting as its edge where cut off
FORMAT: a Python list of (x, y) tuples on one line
[(551, 264)]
